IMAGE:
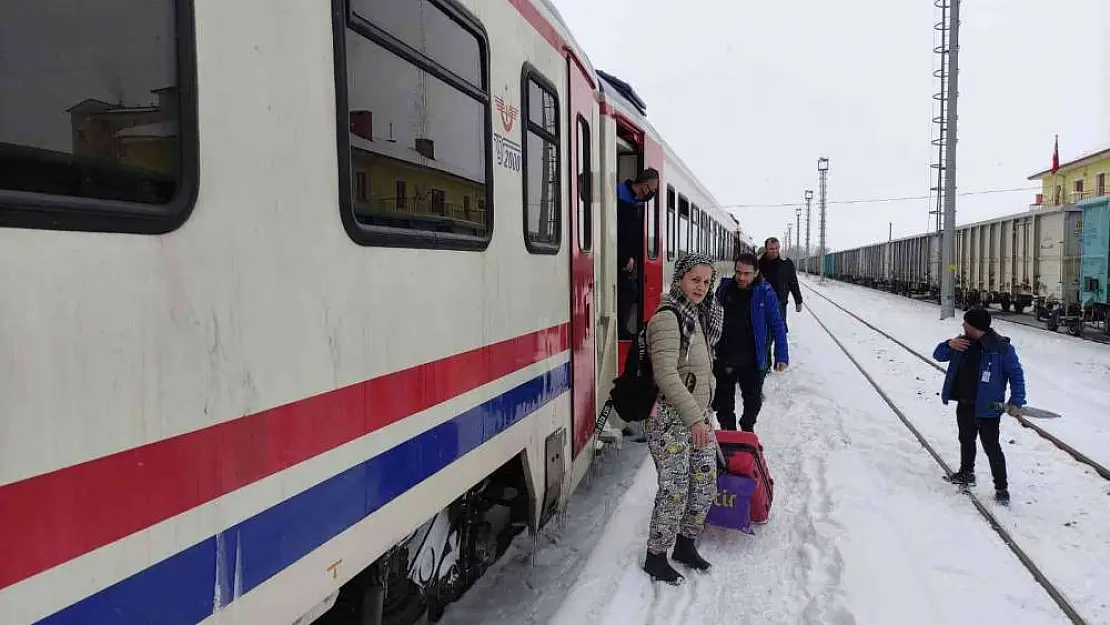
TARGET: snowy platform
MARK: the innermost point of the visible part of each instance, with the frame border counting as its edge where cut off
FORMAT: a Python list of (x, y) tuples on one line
[(863, 529)]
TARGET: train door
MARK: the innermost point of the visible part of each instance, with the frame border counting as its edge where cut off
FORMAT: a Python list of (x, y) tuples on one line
[(653, 261), (640, 295), (582, 281)]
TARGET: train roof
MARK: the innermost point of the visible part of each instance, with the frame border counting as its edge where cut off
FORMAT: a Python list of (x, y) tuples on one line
[(619, 92)]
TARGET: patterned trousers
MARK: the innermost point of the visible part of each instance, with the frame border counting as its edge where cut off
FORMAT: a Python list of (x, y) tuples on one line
[(687, 479)]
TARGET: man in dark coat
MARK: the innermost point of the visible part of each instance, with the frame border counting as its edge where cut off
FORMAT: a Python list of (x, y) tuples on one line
[(631, 197), (981, 363), (743, 353), (781, 275)]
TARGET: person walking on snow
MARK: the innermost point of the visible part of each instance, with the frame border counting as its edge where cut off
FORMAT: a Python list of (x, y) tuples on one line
[(781, 275), (681, 336), (980, 364), (743, 356)]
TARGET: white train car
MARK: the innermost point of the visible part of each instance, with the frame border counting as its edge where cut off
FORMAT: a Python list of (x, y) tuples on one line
[(304, 316)]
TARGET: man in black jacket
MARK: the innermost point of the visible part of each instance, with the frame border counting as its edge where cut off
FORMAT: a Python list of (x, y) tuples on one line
[(780, 273)]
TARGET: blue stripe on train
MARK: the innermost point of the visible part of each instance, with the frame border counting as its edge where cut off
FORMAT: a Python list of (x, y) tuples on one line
[(181, 590)]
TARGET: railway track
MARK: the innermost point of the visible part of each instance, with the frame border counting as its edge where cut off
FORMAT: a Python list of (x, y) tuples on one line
[(1007, 537), (1077, 455), (1092, 335)]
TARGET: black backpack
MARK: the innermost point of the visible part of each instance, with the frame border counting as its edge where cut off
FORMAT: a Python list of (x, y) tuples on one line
[(634, 391)]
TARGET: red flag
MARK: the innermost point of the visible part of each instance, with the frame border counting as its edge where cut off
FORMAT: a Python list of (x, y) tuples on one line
[(1056, 155)]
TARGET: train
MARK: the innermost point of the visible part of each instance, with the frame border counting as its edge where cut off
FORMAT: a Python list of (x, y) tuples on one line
[(1050, 260), (309, 309)]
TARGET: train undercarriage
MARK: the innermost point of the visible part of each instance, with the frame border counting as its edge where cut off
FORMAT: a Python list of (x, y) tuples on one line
[(413, 582)]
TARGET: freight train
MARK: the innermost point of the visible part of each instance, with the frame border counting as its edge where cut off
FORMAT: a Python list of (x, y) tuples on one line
[(1051, 261), (309, 308)]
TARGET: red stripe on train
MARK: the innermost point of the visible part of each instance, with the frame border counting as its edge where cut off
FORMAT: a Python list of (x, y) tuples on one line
[(52, 518)]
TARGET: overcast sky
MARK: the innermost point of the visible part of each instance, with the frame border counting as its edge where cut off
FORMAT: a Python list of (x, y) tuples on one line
[(751, 93)]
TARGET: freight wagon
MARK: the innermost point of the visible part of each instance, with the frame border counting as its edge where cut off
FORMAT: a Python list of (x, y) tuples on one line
[(1025, 260)]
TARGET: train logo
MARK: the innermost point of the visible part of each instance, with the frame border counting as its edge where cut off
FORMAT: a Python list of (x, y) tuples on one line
[(508, 113)]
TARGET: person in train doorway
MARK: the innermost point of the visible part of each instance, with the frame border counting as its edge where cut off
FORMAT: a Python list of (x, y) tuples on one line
[(631, 197), (751, 311), (981, 363), (781, 275), (681, 336)]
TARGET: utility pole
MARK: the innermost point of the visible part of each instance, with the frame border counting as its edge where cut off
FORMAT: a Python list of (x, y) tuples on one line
[(798, 231), (948, 28), (948, 240), (785, 246), (809, 219), (822, 172)]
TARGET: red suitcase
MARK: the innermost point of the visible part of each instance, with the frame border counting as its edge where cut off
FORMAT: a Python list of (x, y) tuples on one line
[(743, 455)]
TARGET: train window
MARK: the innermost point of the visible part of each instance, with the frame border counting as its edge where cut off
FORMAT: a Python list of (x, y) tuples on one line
[(542, 220), (670, 222), (96, 136), (683, 224), (429, 164), (426, 28), (585, 187), (695, 222), (653, 228)]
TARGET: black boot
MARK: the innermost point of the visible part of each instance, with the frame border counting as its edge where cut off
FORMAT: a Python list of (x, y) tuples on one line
[(962, 478), (686, 553), (1002, 496), (657, 566)]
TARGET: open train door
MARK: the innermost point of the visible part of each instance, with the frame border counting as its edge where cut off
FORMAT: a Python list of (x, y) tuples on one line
[(581, 113), (637, 151)]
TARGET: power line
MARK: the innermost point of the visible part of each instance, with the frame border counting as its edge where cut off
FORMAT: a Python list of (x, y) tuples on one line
[(878, 200)]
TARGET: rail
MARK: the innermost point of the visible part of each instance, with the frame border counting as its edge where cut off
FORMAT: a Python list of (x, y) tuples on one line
[(1066, 448), (1058, 597)]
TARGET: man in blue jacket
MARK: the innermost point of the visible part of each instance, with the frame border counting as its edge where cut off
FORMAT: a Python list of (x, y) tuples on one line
[(743, 352), (980, 364)]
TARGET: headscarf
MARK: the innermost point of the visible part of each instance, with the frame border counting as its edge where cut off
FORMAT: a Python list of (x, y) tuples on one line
[(709, 312)]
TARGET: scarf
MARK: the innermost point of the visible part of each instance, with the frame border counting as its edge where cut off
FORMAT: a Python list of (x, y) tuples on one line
[(709, 312)]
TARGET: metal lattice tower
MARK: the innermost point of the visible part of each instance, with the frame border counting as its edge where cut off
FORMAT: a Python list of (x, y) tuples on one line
[(944, 211)]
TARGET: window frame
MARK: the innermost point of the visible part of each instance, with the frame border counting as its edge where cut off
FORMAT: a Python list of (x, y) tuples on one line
[(653, 228), (344, 19), (530, 73), (683, 237), (672, 233), (41, 211), (694, 245), (583, 206)]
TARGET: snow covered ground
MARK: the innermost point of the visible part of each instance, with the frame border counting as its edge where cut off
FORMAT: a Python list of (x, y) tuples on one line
[(1063, 374), (862, 531), (1060, 513)]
